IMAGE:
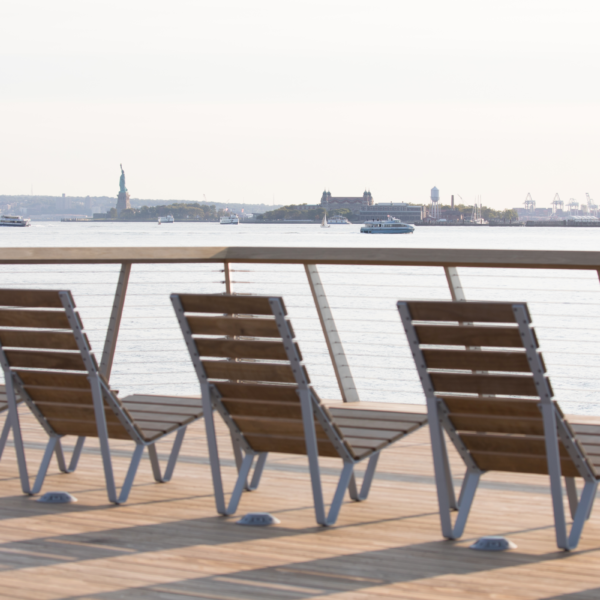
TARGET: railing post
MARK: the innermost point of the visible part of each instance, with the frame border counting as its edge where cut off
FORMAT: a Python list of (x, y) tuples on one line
[(456, 289), (334, 343), (110, 343)]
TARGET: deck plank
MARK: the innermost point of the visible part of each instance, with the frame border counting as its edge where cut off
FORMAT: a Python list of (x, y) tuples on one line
[(168, 542)]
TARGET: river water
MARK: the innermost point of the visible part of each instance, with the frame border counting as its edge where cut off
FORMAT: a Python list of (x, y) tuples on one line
[(151, 357)]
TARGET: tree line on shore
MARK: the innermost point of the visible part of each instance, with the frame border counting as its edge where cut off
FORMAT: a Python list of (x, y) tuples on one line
[(489, 214), (300, 212), (179, 211)]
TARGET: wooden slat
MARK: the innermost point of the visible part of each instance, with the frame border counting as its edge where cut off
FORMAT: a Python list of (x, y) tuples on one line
[(477, 360), (60, 396), (372, 434), (30, 298), (88, 429), (257, 349), (164, 401), (498, 424), (164, 426), (368, 443), (582, 428), (48, 319), (40, 359), (210, 303), (138, 407), (235, 326), (508, 444), (509, 407), (456, 335), (392, 426), (593, 440), (275, 426), (466, 383), (288, 445), (55, 340), (223, 369), (521, 463), (69, 412), (464, 312), (175, 419), (258, 391), (258, 408), (56, 380), (391, 417)]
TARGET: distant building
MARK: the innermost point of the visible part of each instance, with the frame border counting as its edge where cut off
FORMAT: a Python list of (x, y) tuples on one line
[(63, 203), (451, 215), (353, 203), (407, 213)]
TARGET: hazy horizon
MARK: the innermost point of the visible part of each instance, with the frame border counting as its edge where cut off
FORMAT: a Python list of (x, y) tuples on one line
[(250, 102)]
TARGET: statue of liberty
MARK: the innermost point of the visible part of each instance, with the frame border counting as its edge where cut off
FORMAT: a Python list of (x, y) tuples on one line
[(122, 188)]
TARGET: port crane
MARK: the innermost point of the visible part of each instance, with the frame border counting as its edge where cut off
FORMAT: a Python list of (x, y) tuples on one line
[(557, 205), (529, 204), (592, 207), (573, 205)]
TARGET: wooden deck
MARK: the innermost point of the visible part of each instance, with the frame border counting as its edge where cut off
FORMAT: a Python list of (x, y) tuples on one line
[(168, 543)]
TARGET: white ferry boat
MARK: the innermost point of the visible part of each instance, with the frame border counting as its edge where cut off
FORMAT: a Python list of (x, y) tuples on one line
[(167, 219), (230, 220), (14, 221), (392, 225), (339, 221)]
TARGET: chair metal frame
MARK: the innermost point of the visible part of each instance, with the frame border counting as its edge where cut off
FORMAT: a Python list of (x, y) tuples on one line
[(555, 427), (311, 408)]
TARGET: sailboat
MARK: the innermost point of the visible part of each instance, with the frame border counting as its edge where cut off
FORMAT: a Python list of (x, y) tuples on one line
[(324, 222)]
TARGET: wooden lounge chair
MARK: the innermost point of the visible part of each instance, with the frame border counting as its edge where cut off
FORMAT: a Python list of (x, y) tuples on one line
[(485, 383), (47, 360), (250, 370)]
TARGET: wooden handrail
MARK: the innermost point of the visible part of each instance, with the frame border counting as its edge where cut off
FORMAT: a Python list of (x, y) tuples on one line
[(426, 257)]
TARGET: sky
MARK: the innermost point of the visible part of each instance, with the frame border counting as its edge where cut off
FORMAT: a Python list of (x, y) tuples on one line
[(275, 101)]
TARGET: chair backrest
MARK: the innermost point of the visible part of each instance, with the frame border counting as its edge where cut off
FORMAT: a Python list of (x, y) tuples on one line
[(242, 356), (39, 351), (472, 357)]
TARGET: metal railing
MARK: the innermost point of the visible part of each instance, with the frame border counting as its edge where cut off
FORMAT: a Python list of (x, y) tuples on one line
[(341, 302)]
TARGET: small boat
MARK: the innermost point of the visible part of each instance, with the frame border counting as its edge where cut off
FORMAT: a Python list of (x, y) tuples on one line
[(230, 220), (167, 219), (339, 220), (14, 221), (391, 225), (324, 221)]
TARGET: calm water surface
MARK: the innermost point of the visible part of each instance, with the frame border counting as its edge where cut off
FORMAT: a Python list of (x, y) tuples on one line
[(151, 357)]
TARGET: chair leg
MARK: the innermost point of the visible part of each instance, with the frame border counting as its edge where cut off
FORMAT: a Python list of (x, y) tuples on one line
[(133, 466), (50, 449), (466, 499), (442, 475), (586, 501), (258, 470), (340, 492), (367, 480), (572, 495), (240, 484), (5, 432), (13, 418), (452, 503), (172, 458), (213, 452), (60, 456)]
